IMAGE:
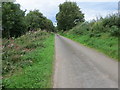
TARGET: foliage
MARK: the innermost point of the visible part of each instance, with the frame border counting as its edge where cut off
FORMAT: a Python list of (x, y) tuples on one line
[(35, 20), (101, 34), (68, 16), (95, 28), (81, 28), (115, 31), (13, 20), (111, 20), (15, 49), (28, 67), (15, 23), (107, 45), (49, 26)]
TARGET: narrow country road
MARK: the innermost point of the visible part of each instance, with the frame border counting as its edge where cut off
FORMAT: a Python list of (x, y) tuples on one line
[(77, 66)]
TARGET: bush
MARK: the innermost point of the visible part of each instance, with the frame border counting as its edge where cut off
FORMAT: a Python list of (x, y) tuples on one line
[(98, 27), (111, 20), (114, 31), (15, 49), (81, 28), (13, 24)]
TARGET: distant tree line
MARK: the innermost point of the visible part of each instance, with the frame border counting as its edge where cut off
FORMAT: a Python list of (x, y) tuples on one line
[(15, 23)]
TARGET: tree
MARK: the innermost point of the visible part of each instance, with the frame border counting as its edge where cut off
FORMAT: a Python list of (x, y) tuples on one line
[(69, 13), (33, 19), (13, 20), (36, 20), (49, 26)]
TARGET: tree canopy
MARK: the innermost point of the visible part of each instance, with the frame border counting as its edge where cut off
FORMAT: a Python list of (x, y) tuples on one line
[(36, 20), (13, 23), (69, 14)]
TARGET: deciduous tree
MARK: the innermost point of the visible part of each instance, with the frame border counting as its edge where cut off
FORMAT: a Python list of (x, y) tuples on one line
[(69, 14), (13, 23)]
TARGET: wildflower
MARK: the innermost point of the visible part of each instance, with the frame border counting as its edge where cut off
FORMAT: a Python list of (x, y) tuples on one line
[(12, 45), (13, 37), (30, 61), (3, 47)]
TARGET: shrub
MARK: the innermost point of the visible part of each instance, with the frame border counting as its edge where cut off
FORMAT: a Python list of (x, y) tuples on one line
[(114, 31), (15, 49)]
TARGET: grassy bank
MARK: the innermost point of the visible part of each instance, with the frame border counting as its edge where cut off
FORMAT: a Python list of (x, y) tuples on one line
[(101, 34), (30, 63), (105, 44)]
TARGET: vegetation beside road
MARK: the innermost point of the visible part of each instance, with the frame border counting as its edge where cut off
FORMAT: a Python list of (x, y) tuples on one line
[(28, 61), (28, 45), (107, 45), (68, 16), (101, 34), (15, 21), (28, 48)]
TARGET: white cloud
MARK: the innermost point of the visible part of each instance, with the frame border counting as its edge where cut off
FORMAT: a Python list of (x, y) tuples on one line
[(50, 7), (93, 14), (96, 9)]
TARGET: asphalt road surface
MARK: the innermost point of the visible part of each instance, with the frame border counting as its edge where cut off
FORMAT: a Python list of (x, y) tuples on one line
[(77, 66)]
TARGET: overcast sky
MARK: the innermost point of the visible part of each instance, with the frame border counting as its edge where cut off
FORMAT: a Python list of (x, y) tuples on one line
[(91, 8)]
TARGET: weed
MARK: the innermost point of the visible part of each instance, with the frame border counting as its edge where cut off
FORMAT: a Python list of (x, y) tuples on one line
[(30, 64)]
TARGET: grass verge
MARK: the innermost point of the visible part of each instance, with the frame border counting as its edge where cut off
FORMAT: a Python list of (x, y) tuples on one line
[(105, 44), (36, 65)]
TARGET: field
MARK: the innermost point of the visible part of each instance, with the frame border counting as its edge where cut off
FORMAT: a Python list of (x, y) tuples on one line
[(28, 61)]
